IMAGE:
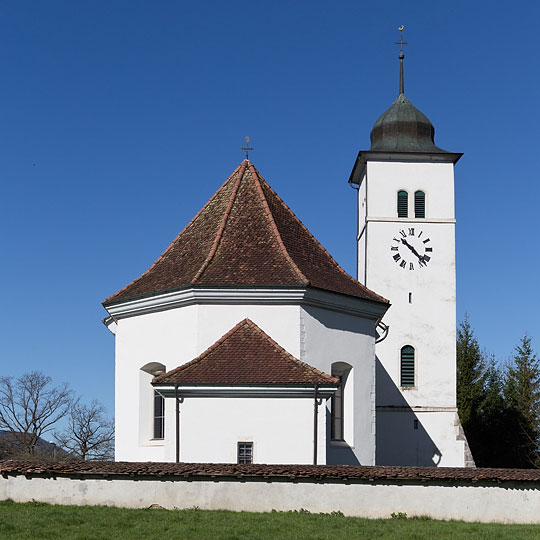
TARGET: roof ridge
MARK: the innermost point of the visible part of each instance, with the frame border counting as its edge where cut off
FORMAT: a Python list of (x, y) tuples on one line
[(162, 256), (333, 261), (219, 234), (208, 350), (257, 177), (246, 322), (289, 355)]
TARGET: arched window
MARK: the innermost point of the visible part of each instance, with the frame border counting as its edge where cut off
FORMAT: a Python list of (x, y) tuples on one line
[(419, 204), (339, 405), (157, 412), (402, 204), (407, 366)]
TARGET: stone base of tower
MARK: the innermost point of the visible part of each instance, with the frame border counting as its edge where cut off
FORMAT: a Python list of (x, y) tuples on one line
[(423, 436)]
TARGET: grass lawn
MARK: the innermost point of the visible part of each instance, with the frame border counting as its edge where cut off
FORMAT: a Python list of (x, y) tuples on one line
[(37, 520)]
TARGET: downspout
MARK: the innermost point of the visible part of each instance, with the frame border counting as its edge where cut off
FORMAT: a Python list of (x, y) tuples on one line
[(315, 425), (177, 407)]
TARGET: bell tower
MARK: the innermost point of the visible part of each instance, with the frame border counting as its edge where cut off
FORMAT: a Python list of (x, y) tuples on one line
[(406, 252)]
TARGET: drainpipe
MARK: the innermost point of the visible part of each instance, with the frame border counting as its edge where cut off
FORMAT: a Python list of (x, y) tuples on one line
[(177, 403), (315, 425)]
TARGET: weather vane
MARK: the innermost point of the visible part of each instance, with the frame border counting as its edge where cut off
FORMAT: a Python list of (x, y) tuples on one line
[(246, 148), (401, 42)]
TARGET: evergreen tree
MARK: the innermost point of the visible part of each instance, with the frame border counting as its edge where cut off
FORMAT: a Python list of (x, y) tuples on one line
[(491, 435), (522, 401), (471, 379)]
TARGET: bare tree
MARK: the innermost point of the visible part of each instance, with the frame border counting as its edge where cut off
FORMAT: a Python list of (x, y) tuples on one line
[(30, 406), (90, 434)]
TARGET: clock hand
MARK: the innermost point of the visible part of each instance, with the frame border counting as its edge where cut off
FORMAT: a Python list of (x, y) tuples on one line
[(421, 260), (403, 241)]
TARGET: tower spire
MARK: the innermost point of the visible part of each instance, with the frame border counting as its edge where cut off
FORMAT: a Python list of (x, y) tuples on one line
[(401, 57)]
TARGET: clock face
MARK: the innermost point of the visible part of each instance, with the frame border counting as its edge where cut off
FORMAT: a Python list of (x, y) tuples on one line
[(411, 248)]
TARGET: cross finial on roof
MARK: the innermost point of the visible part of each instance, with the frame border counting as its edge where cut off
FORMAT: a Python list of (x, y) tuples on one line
[(401, 57), (246, 148)]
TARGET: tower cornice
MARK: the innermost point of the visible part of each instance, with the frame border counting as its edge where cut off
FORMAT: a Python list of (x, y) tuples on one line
[(404, 157)]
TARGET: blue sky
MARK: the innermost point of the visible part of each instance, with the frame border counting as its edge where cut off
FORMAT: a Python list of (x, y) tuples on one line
[(120, 119)]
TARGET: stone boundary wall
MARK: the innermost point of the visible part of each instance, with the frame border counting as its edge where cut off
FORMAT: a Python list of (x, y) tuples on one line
[(486, 495)]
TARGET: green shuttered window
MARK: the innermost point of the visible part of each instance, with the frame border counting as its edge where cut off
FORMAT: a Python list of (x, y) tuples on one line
[(402, 204), (419, 204), (407, 366)]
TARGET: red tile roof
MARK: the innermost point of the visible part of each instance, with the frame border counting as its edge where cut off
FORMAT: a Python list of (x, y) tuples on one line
[(245, 236), (246, 355), (329, 473)]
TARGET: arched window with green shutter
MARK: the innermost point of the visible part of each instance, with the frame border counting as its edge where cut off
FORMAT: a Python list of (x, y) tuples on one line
[(419, 204), (402, 204), (407, 366)]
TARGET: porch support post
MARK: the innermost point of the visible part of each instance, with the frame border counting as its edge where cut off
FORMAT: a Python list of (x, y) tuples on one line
[(315, 425), (177, 434)]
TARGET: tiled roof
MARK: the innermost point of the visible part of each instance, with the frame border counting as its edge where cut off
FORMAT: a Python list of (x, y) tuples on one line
[(246, 355), (206, 471), (245, 236)]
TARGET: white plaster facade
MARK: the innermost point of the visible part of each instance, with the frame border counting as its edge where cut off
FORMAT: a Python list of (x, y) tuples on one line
[(317, 327), (416, 425), (506, 502)]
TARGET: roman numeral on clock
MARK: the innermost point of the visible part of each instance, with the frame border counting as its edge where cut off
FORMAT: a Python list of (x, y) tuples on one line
[(411, 232), (394, 248), (396, 257), (403, 264), (429, 249)]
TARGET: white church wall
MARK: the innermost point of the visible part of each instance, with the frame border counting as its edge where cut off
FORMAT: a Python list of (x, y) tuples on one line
[(385, 179), (422, 314), (280, 322), (431, 438), (174, 337), (332, 337), (280, 429), (361, 236), (166, 337)]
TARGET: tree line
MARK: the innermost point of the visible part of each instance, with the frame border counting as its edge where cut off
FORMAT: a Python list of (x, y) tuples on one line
[(31, 406), (499, 404)]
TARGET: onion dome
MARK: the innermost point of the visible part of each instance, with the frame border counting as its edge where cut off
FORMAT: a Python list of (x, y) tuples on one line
[(403, 128)]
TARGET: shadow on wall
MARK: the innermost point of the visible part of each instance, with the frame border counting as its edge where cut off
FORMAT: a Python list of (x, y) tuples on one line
[(338, 452), (401, 438)]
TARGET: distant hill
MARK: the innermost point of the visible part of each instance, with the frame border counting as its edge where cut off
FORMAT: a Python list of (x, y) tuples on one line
[(10, 448)]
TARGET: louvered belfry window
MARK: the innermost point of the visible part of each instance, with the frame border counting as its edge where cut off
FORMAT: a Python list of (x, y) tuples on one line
[(407, 366), (402, 204), (419, 204)]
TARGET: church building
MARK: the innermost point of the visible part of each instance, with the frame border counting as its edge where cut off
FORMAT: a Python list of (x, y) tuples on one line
[(246, 342)]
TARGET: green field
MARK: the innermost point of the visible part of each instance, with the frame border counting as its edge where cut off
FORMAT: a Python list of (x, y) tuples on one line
[(36, 520)]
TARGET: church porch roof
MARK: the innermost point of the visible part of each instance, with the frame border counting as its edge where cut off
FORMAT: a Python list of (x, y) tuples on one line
[(245, 355), (245, 236)]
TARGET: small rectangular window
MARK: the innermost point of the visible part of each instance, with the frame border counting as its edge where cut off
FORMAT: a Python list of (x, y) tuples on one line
[(159, 415), (245, 452)]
